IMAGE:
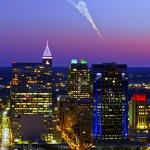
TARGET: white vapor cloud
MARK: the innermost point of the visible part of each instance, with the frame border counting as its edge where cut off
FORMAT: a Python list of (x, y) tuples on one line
[(81, 6)]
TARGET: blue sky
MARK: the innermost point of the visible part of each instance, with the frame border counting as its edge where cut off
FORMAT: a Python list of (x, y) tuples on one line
[(25, 25)]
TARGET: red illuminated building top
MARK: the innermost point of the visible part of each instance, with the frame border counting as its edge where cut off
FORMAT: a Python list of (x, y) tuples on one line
[(139, 97)]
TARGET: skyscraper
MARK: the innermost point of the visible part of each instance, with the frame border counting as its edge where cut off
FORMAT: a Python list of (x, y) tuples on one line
[(139, 111), (31, 101), (79, 94), (79, 80), (110, 112)]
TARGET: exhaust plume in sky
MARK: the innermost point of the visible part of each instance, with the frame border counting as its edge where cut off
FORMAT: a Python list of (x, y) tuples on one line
[(81, 6)]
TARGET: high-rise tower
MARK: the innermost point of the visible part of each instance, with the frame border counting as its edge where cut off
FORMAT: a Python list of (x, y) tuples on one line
[(110, 112), (79, 95), (139, 112), (79, 80), (31, 101)]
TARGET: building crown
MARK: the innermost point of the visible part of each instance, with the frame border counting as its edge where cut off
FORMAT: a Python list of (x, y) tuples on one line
[(47, 54)]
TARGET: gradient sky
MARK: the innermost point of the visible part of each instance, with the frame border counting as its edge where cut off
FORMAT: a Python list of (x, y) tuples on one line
[(25, 25)]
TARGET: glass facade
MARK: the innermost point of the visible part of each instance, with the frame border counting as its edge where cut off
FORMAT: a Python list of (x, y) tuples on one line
[(110, 112), (79, 95)]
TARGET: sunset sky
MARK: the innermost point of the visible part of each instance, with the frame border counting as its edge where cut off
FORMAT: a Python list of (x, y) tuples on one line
[(26, 25)]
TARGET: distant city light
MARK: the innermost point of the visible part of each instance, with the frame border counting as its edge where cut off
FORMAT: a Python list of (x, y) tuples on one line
[(74, 61), (139, 97), (83, 61)]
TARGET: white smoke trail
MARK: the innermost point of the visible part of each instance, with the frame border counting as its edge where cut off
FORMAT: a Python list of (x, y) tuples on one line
[(83, 9)]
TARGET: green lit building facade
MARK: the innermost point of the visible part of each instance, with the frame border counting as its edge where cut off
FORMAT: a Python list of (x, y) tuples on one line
[(79, 94), (79, 80)]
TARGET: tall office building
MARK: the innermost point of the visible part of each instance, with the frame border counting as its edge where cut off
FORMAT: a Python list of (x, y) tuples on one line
[(79, 94), (79, 80), (139, 112), (110, 112), (66, 113), (83, 128), (31, 101)]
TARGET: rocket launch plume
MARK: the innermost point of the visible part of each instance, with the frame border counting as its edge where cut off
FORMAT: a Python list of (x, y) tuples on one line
[(81, 6)]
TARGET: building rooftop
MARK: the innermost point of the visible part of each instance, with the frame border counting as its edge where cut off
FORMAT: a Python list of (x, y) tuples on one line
[(47, 53)]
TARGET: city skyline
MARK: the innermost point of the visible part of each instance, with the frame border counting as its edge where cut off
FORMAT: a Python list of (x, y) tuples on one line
[(25, 27), (74, 75)]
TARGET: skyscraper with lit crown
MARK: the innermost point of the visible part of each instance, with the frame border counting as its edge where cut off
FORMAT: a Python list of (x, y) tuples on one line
[(79, 80), (79, 95), (31, 101)]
